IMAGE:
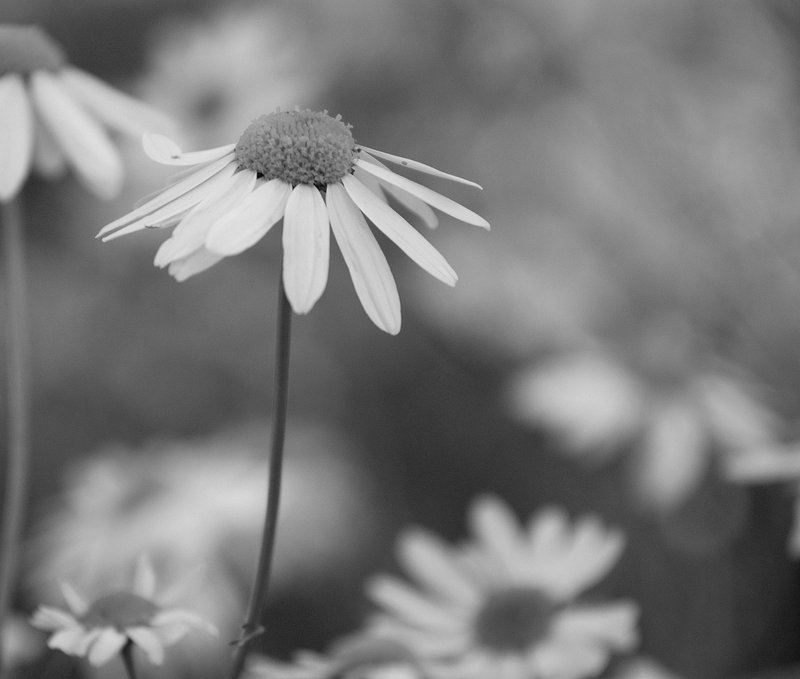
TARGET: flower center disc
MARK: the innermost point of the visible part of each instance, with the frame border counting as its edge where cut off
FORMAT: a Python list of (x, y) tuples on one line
[(298, 147), (513, 619), (120, 610), (24, 49)]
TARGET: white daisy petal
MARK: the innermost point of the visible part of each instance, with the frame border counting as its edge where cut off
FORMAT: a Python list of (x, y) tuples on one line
[(165, 151), (179, 616), (86, 146), (72, 641), (426, 558), (437, 200), (497, 528), (412, 203), (555, 658), (191, 265), (144, 578), (369, 270), (149, 642), (77, 604), (112, 107), (612, 624), (16, 135), (306, 247), (108, 643), (177, 198), (414, 608), (416, 165), (50, 618), (399, 231), (48, 159), (243, 226)]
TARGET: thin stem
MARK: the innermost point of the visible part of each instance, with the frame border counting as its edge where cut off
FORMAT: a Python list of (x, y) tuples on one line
[(251, 628), (127, 659), (17, 341)]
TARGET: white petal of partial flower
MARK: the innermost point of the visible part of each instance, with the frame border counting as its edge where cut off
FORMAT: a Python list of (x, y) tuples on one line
[(165, 151), (144, 579), (174, 200), (112, 107), (306, 247), (149, 642), (427, 559), (763, 465), (191, 233), (171, 617), (412, 203), (108, 643), (372, 278), (48, 158), (556, 657), (84, 143), (193, 264), (408, 604), (437, 200), (50, 618), (77, 604), (243, 226), (399, 231), (612, 624), (16, 135), (416, 165), (72, 641), (498, 530)]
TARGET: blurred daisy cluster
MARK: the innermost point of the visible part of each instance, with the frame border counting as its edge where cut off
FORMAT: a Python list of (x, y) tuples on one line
[(579, 461)]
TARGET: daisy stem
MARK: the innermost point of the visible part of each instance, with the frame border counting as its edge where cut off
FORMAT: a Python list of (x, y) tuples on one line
[(252, 624), (17, 343), (127, 659)]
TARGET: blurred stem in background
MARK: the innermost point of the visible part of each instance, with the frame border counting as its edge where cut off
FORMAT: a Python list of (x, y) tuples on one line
[(18, 399), (251, 628)]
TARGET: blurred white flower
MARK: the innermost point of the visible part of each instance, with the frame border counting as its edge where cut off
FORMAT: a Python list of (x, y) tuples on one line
[(103, 628), (642, 668), (185, 503), (508, 603), (305, 169), (53, 115), (219, 73), (673, 427)]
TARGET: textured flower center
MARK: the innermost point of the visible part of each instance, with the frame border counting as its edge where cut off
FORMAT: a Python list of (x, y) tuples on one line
[(298, 147), (24, 49), (513, 619), (120, 610)]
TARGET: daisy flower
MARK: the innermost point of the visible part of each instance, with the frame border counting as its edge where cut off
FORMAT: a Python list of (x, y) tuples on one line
[(305, 168), (53, 115), (507, 604), (101, 629)]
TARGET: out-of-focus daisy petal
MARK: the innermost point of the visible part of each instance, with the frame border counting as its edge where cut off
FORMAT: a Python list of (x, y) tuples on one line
[(48, 159), (558, 658), (406, 602), (437, 200), (611, 624), (77, 604), (16, 135), (399, 231), (179, 197), (165, 151), (107, 644), (763, 465), (85, 144), (497, 529), (73, 640), (306, 244), (49, 618), (179, 616), (416, 165), (149, 642), (369, 270), (247, 223), (144, 579)]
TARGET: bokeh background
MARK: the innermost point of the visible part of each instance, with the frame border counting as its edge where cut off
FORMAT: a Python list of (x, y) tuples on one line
[(630, 323)]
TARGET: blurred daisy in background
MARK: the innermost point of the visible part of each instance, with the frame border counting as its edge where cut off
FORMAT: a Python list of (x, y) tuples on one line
[(508, 604), (54, 115), (305, 168), (186, 503), (642, 668), (676, 418), (218, 73), (103, 628)]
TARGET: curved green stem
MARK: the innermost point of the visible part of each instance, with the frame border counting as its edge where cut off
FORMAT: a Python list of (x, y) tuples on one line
[(251, 628), (17, 456)]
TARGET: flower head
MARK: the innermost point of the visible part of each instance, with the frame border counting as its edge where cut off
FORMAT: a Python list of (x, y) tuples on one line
[(101, 629), (507, 604), (305, 168), (53, 115)]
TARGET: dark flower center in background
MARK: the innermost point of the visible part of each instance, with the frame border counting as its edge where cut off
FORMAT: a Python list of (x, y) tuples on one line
[(513, 619), (120, 610), (24, 49), (298, 147)]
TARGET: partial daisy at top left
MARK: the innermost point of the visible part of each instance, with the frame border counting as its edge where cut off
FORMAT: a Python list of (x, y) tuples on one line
[(54, 117)]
